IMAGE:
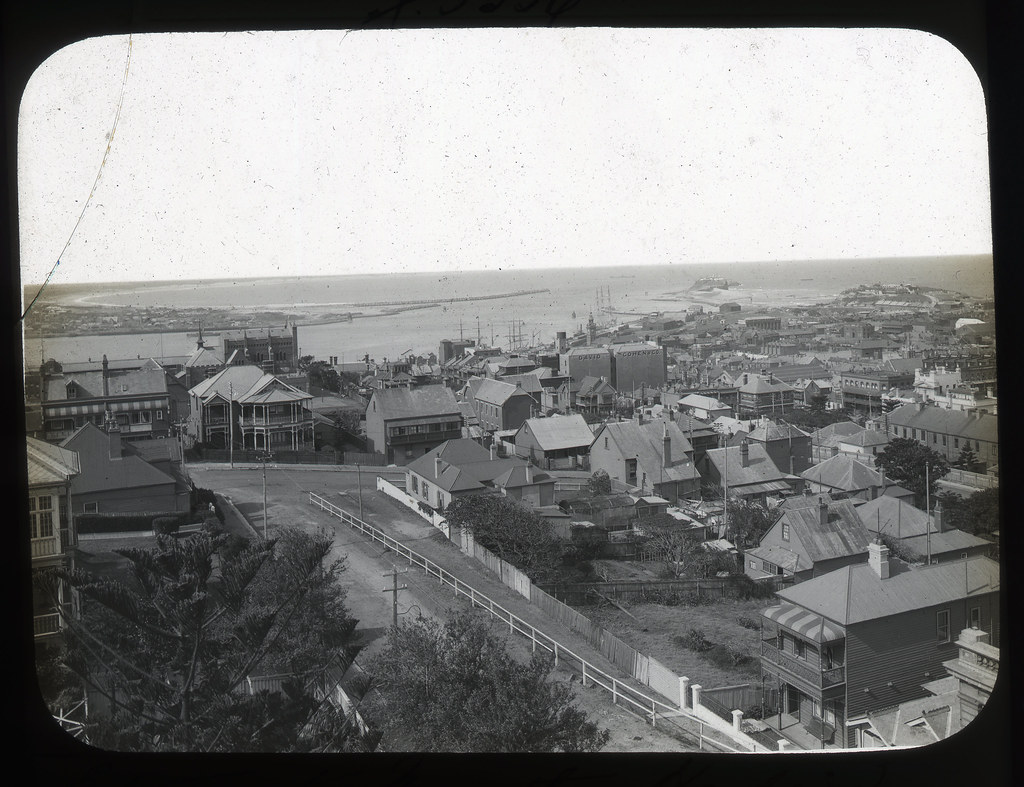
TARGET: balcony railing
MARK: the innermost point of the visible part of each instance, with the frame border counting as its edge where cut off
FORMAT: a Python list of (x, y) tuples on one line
[(424, 437), (275, 420), (44, 625), (45, 547), (822, 678)]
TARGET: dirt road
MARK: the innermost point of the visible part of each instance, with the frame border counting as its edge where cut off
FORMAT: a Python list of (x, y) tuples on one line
[(367, 564)]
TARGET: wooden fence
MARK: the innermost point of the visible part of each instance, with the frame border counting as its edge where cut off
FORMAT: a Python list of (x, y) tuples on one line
[(688, 723), (326, 456), (583, 593)]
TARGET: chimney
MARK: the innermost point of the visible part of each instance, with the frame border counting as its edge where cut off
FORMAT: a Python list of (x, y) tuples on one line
[(822, 511), (106, 373), (878, 559), (744, 453), (672, 414), (639, 416), (437, 467), (529, 473), (938, 519), (492, 451), (114, 435), (666, 443)]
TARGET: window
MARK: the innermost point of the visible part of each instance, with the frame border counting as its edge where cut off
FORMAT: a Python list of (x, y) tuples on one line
[(605, 442), (904, 431), (767, 567), (90, 508), (956, 442), (415, 485), (815, 708), (753, 564), (975, 617), (159, 415), (41, 514), (942, 625), (785, 531), (935, 437), (943, 439), (631, 470)]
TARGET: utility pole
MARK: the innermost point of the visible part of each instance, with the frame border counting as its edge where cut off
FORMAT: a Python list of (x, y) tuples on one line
[(928, 510), (231, 426), (394, 590), (264, 456), (359, 487)]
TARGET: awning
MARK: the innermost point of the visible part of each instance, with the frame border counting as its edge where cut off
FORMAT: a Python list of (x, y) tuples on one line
[(806, 624), (756, 489), (98, 408)]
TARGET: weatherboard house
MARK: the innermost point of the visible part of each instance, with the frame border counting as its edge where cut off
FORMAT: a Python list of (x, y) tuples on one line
[(866, 637)]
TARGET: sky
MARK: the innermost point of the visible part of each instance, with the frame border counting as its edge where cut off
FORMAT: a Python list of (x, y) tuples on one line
[(321, 153)]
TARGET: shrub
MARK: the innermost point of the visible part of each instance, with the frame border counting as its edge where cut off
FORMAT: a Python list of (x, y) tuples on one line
[(695, 640), (165, 525), (748, 623), (727, 658)]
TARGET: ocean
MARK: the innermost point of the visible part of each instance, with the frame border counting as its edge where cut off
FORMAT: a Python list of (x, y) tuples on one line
[(626, 291)]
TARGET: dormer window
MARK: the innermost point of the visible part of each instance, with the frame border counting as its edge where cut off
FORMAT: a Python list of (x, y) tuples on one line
[(72, 391)]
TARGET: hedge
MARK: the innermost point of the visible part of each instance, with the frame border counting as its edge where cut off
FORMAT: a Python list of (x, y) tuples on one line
[(126, 523)]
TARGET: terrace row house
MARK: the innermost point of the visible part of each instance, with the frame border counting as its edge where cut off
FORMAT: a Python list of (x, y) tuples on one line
[(53, 536), (947, 432), (403, 424), (246, 407), (500, 405), (138, 400), (866, 637), (559, 442), (763, 394)]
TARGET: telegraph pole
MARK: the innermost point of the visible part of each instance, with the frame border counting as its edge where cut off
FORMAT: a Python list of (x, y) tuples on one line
[(231, 426), (394, 591), (359, 486), (264, 456)]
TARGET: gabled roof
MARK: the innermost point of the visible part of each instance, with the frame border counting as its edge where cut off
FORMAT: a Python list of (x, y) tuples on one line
[(422, 402), (645, 442), (838, 429), (497, 392), (845, 472), (466, 466), (559, 431), (866, 439), (766, 431), (854, 594), (918, 722), (234, 381), (757, 384), (270, 390), (203, 357), (842, 535), (895, 517), (591, 385), (703, 402), (100, 472), (50, 464), (760, 467)]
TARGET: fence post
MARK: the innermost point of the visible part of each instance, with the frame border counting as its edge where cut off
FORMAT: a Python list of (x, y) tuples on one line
[(654, 714), (584, 673), (533, 639), (684, 690), (696, 689), (615, 693), (556, 652), (737, 719)]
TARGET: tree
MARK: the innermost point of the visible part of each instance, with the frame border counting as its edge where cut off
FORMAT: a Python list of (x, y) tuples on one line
[(170, 650), (510, 531), (977, 513), (600, 483), (662, 533), (748, 522), (904, 461), (967, 460), (455, 688)]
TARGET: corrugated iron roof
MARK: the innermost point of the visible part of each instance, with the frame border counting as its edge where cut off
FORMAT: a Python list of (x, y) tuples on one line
[(760, 467), (842, 534), (843, 472), (50, 464), (976, 426), (100, 472), (560, 431), (427, 400), (854, 594)]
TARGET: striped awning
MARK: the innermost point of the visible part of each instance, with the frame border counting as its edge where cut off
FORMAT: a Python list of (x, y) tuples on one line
[(765, 486), (806, 624), (98, 407)]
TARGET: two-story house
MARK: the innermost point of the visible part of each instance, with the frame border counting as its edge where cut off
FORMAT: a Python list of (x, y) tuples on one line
[(559, 442), (403, 423), (706, 408), (53, 536), (809, 540), (651, 455), (500, 406), (788, 446), (249, 408), (763, 394), (747, 472), (595, 396), (137, 398), (948, 432), (457, 468), (866, 637)]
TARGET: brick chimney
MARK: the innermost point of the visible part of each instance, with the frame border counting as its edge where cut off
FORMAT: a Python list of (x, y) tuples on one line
[(744, 453), (114, 436), (878, 559), (822, 511), (437, 467), (666, 443), (492, 451), (529, 473), (106, 374), (941, 525), (639, 416)]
